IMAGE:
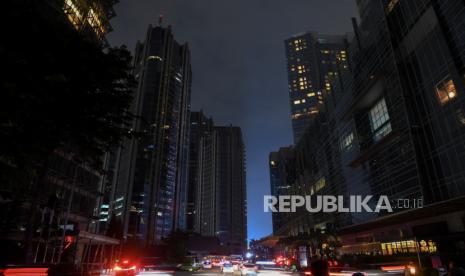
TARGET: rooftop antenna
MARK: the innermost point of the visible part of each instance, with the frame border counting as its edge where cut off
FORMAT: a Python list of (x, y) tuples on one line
[(160, 20)]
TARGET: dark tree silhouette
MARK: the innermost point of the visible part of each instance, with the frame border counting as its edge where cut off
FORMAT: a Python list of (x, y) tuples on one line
[(59, 88)]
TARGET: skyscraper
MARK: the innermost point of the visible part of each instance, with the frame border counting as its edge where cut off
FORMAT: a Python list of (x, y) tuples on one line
[(312, 62), (151, 184), (393, 126), (282, 177), (201, 127), (221, 191)]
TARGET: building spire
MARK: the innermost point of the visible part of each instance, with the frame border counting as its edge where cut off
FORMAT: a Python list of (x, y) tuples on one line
[(160, 20)]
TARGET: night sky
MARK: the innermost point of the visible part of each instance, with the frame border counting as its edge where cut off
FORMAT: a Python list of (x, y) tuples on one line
[(239, 69)]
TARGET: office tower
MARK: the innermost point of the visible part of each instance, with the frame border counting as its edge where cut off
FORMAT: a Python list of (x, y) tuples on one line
[(200, 128), (149, 195), (282, 177), (394, 127), (312, 62), (221, 191)]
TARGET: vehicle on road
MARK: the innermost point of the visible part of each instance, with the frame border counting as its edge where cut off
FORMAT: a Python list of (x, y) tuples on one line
[(125, 267), (248, 269), (227, 268), (207, 265)]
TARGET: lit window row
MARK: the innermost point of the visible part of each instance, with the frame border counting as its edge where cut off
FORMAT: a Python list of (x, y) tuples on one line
[(78, 15), (73, 13), (94, 21)]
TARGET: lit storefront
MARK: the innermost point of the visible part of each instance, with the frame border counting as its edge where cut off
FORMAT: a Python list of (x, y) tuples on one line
[(435, 229)]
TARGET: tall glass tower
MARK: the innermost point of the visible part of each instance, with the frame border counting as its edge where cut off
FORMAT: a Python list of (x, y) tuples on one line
[(312, 62), (151, 191)]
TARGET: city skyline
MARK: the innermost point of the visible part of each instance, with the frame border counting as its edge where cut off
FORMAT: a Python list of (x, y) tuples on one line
[(249, 137), (228, 61)]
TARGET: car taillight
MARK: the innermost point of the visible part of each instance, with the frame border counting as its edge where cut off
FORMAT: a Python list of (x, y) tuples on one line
[(117, 267), (392, 268), (133, 267), (308, 273)]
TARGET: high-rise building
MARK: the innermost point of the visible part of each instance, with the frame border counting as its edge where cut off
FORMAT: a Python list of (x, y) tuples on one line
[(313, 60), (221, 190), (150, 192), (201, 128), (393, 126), (282, 177)]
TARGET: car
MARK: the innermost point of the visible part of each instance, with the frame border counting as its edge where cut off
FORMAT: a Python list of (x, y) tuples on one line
[(227, 268), (125, 267), (207, 265), (248, 268)]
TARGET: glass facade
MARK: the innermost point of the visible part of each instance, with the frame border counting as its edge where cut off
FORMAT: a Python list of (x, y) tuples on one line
[(313, 60), (152, 170), (221, 190), (394, 123)]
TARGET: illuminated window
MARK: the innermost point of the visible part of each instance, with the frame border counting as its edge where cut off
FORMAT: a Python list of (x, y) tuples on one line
[(391, 5), (320, 184), (347, 140), (379, 120), (297, 115), (154, 57), (73, 13), (446, 90), (95, 22), (297, 102)]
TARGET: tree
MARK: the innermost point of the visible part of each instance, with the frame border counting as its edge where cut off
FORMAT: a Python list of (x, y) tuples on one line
[(60, 89)]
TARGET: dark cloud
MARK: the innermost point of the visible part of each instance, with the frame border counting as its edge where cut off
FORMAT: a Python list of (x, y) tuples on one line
[(239, 73)]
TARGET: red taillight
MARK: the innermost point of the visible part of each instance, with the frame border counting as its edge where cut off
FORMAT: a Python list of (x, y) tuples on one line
[(125, 261), (308, 273), (37, 271), (391, 268)]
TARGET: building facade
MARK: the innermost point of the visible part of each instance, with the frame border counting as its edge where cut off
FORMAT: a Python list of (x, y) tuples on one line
[(393, 126), (312, 62), (150, 192), (91, 17), (282, 177), (221, 191), (201, 128)]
